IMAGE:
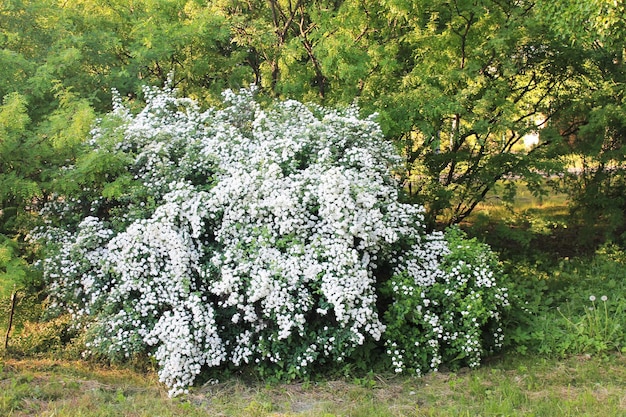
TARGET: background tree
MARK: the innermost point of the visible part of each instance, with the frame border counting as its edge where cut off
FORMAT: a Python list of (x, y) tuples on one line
[(61, 60), (592, 118), (473, 79), (457, 84)]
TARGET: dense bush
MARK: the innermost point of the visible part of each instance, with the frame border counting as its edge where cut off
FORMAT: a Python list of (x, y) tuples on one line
[(267, 237), (447, 304)]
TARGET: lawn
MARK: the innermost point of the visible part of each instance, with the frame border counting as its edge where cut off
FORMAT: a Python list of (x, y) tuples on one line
[(508, 386)]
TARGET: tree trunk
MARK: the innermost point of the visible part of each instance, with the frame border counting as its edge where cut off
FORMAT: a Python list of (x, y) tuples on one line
[(11, 313)]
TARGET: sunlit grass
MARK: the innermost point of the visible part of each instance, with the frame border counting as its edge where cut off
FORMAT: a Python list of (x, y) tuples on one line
[(529, 226), (510, 386), (550, 204)]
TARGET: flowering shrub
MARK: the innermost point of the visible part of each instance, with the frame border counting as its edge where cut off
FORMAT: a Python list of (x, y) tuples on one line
[(447, 304), (256, 236)]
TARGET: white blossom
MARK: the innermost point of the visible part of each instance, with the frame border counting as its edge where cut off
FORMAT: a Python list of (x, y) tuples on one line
[(251, 229)]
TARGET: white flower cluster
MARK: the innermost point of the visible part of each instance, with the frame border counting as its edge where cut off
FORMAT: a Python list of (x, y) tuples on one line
[(74, 270), (250, 236)]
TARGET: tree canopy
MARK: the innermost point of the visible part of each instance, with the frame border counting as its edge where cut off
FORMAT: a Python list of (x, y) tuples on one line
[(457, 85)]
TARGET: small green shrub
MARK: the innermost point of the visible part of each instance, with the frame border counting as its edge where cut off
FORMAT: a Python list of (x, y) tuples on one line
[(452, 320)]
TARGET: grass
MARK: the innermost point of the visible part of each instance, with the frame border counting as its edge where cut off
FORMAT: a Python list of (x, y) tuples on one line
[(510, 386), (524, 198), (526, 207)]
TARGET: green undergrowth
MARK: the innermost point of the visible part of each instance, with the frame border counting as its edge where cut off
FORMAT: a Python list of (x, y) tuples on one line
[(507, 386), (576, 306), (568, 288)]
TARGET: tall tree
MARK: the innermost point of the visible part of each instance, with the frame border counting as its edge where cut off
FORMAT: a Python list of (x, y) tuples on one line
[(281, 39), (457, 84), (476, 77)]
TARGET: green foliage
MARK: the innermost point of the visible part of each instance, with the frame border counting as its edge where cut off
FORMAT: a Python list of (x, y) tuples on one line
[(463, 102), (598, 185), (18, 157), (576, 307), (456, 85), (15, 272), (69, 124), (594, 21), (20, 190), (591, 118)]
